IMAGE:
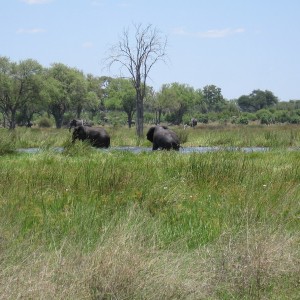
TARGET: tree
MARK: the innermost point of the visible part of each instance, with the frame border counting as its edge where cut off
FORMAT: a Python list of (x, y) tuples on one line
[(177, 98), (121, 95), (19, 87), (257, 100), (64, 87), (138, 57), (213, 98), (78, 96), (98, 86)]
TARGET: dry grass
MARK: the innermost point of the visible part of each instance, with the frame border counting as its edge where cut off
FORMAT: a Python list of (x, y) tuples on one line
[(248, 265)]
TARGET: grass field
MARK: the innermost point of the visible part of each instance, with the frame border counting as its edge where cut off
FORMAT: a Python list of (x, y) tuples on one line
[(90, 224)]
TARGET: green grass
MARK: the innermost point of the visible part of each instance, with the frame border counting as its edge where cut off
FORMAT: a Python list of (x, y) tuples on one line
[(274, 136), (89, 224)]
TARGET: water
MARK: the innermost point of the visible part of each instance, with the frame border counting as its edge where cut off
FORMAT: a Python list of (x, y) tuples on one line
[(149, 149)]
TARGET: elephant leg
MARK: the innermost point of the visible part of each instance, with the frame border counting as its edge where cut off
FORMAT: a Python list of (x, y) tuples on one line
[(155, 146)]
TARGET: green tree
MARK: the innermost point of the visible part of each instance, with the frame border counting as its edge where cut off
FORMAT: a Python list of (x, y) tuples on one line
[(79, 99), (177, 98), (138, 56), (60, 91), (257, 100), (121, 95), (213, 98), (98, 86), (19, 87)]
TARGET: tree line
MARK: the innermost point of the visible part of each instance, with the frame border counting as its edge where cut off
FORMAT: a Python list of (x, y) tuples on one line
[(28, 91)]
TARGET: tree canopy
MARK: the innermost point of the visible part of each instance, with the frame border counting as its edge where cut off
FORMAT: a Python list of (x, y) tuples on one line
[(257, 100), (28, 90)]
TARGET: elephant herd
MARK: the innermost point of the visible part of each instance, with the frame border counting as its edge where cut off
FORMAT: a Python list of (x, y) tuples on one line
[(161, 137)]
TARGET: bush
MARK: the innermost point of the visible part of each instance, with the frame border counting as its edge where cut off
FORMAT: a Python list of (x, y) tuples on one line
[(203, 119), (243, 120), (266, 119), (294, 119), (45, 122)]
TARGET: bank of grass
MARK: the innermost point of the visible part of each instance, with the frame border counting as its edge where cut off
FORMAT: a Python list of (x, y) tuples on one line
[(273, 136), (89, 224)]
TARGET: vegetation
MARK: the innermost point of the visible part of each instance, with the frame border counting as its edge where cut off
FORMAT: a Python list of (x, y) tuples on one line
[(31, 94), (109, 224)]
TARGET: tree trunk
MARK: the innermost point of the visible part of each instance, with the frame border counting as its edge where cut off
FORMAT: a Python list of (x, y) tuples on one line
[(12, 123), (129, 119), (58, 120), (139, 115)]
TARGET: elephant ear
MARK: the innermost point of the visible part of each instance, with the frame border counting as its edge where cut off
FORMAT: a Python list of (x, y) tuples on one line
[(150, 134), (78, 129)]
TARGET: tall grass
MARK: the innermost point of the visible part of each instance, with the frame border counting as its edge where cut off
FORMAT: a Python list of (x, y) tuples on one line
[(90, 224), (274, 136)]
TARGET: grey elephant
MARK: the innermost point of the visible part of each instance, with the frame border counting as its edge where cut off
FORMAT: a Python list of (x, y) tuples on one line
[(98, 137), (164, 138), (76, 122), (193, 122)]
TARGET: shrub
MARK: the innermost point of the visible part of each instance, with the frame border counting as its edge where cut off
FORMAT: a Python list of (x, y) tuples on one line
[(266, 119), (203, 119), (45, 122), (243, 120)]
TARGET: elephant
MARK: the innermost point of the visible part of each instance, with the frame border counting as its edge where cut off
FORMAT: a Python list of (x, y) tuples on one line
[(98, 137), (193, 122), (162, 137), (76, 122)]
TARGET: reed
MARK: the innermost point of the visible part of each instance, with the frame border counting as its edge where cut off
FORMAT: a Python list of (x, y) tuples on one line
[(273, 136), (90, 224)]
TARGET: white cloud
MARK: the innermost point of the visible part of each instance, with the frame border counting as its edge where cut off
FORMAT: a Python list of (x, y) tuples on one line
[(212, 33), (30, 31), (36, 1)]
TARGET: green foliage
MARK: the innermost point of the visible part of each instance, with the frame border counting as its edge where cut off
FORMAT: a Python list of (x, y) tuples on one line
[(20, 86), (257, 100), (243, 120), (177, 98), (122, 96), (213, 98), (203, 119), (45, 122), (265, 117), (67, 93)]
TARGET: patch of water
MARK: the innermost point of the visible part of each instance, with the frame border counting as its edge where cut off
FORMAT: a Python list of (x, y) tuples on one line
[(149, 149)]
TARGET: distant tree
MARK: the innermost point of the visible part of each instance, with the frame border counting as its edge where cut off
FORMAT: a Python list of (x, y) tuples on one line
[(19, 87), (257, 100), (213, 98), (290, 105), (121, 95), (60, 91), (177, 98), (138, 57), (78, 93), (98, 86), (153, 104)]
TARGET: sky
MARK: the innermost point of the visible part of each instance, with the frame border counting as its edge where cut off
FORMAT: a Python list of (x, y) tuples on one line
[(236, 45)]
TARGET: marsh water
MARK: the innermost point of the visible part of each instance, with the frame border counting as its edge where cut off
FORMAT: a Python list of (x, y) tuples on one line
[(148, 149)]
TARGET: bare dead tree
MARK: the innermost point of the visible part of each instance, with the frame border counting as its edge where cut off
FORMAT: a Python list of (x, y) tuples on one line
[(138, 56)]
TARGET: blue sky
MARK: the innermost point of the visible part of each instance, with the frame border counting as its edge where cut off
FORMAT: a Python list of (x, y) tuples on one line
[(237, 45)]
